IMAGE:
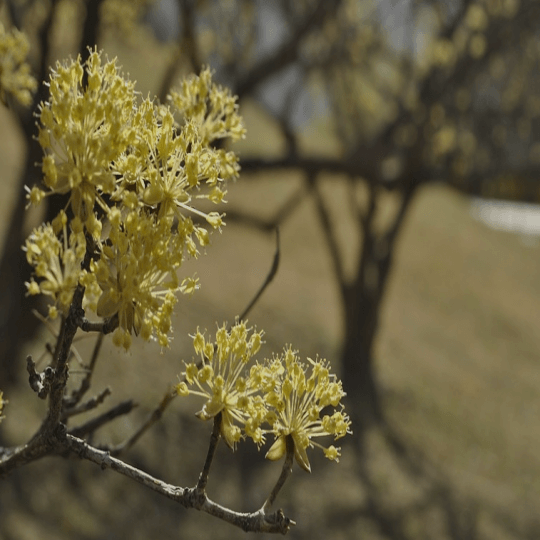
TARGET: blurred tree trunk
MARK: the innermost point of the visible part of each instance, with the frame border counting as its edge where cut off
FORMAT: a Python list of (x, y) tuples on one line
[(362, 302), (16, 321), (361, 315)]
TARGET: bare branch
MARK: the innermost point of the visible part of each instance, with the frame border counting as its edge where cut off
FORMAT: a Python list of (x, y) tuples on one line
[(312, 165), (258, 521), (77, 395), (92, 425), (330, 237), (154, 417), (86, 406), (289, 50), (105, 327), (39, 382)]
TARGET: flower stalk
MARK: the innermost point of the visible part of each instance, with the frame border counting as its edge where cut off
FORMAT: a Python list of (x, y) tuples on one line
[(212, 447), (285, 473)]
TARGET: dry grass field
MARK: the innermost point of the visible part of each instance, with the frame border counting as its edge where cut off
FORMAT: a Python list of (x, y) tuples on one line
[(457, 357)]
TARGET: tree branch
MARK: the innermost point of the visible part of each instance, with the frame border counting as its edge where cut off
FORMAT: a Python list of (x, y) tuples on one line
[(258, 521), (329, 236), (288, 52), (78, 394), (92, 425), (212, 447), (267, 281)]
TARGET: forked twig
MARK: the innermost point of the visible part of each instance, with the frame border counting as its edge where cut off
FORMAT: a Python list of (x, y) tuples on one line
[(92, 403), (257, 521), (78, 394)]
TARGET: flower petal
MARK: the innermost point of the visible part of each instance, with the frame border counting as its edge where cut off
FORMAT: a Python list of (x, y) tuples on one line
[(301, 455), (277, 450)]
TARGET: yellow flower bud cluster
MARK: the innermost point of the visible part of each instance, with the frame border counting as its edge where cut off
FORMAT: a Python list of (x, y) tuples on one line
[(280, 396), (56, 263), (15, 77), (134, 171), (221, 380), (83, 129), (211, 107), (298, 393)]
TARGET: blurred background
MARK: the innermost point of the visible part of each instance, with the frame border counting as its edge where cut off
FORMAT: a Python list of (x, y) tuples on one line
[(396, 145)]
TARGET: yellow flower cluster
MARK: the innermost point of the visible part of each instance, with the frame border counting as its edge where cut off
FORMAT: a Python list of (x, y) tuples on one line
[(137, 276), (134, 174), (280, 396), (83, 130), (298, 400), (15, 77), (220, 378), (57, 263), (210, 107)]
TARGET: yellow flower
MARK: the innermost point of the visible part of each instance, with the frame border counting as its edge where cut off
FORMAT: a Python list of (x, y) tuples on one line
[(57, 263), (98, 141), (212, 108), (209, 112), (297, 399), (137, 275), (15, 77), (223, 381), (170, 170), (84, 129)]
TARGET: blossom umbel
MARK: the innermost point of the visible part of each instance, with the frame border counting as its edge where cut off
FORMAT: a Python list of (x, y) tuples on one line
[(137, 275), (134, 176), (282, 392), (222, 380), (298, 394), (56, 261), (83, 129)]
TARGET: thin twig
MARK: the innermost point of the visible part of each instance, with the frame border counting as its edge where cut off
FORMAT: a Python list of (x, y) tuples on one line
[(92, 425), (284, 212), (92, 403), (78, 394), (104, 327), (267, 281), (152, 418), (212, 447)]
